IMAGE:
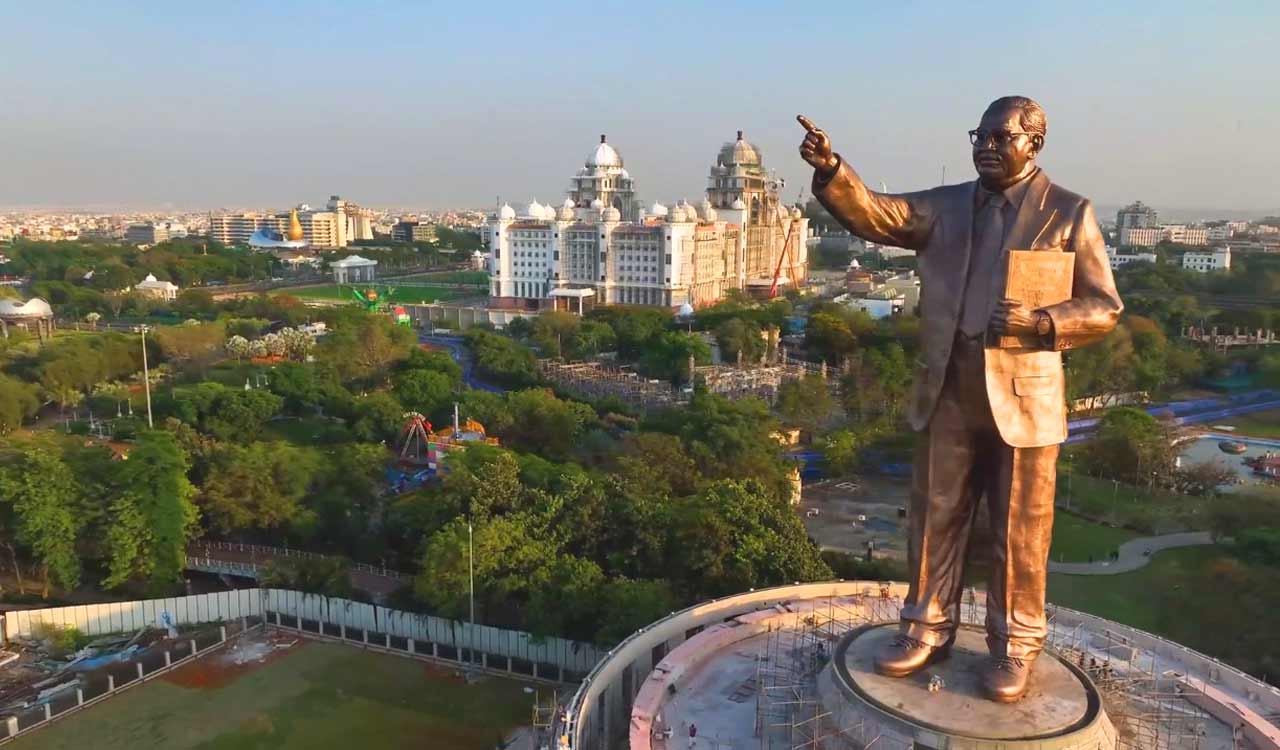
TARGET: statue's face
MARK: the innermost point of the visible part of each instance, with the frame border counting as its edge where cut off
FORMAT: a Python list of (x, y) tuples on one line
[(1003, 156)]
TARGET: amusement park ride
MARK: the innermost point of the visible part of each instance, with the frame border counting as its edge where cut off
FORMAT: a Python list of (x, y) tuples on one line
[(422, 449), (373, 302)]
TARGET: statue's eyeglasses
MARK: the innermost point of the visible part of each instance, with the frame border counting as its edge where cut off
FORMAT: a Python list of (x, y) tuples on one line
[(1000, 137)]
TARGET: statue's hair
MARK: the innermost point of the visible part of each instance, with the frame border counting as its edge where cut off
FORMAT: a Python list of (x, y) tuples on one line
[(1033, 120)]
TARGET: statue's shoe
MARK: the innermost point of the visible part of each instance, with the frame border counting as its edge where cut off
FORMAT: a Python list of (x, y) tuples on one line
[(1005, 678), (905, 655)]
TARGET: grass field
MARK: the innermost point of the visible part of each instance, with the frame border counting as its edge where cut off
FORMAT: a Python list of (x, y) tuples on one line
[(1077, 540), (402, 294), (317, 696), (1263, 424)]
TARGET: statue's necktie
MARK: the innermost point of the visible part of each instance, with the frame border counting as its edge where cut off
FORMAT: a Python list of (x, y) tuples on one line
[(982, 287)]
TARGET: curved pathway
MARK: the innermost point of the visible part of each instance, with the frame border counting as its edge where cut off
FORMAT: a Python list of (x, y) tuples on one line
[(1134, 554)]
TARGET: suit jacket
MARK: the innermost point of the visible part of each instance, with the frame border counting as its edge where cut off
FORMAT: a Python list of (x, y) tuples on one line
[(1025, 386)]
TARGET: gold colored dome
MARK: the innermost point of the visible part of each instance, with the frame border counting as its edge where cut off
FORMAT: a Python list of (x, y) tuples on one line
[(295, 226)]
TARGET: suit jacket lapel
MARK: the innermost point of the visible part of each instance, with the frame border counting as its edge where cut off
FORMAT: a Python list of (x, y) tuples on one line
[(1030, 218)]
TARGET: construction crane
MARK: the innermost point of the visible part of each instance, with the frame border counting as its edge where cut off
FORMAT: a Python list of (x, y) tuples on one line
[(786, 254)]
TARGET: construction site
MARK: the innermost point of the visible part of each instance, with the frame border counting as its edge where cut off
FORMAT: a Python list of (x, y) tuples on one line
[(595, 380), (763, 679)]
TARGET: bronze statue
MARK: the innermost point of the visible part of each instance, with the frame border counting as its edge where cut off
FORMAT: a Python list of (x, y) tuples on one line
[(991, 418)]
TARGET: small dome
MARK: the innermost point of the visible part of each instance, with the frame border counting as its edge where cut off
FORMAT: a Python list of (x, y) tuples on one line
[(709, 214), (604, 156), (612, 214), (738, 205), (658, 209), (677, 215), (11, 309), (568, 203), (506, 212), (549, 212), (597, 204), (534, 210), (624, 174), (796, 213), (566, 213)]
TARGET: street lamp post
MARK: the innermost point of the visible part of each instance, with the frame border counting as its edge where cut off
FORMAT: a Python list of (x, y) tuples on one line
[(471, 577), (146, 375)]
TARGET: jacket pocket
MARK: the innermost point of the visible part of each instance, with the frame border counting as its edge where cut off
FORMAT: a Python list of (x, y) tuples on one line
[(1033, 385)]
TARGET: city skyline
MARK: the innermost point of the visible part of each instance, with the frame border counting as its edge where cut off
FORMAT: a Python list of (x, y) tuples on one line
[(198, 109)]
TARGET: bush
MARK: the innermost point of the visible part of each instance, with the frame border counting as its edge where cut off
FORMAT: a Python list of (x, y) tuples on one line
[(60, 640)]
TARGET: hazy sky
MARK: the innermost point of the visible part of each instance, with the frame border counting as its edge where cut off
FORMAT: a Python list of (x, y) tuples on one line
[(417, 104)]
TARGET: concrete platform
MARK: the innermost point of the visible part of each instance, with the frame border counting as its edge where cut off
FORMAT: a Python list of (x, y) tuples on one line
[(1061, 710)]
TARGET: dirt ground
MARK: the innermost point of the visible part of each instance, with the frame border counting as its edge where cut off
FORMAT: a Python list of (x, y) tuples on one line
[(246, 654), (854, 510)]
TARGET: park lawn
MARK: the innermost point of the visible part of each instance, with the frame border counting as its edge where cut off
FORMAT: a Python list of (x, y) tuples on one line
[(1263, 424), (1076, 539), (1151, 513), (319, 696), (446, 277), (401, 295), (1202, 597)]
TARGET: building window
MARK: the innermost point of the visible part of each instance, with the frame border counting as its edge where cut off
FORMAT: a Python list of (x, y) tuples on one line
[(668, 259)]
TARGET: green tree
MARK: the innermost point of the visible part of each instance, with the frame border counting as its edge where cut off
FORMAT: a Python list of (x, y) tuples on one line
[(257, 486), (19, 402), (1132, 446), (805, 402), (151, 516), (378, 417), (423, 391), (44, 495), (668, 355), (735, 337)]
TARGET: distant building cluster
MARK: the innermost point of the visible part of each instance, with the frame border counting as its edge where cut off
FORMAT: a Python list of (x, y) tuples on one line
[(603, 246), (880, 293), (339, 224)]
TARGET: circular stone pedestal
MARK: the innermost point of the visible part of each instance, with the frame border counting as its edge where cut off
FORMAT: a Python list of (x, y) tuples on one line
[(1061, 709)]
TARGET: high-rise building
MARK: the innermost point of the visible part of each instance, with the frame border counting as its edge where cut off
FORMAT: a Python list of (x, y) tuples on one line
[(1136, 215), (146, 234), (736, 238)]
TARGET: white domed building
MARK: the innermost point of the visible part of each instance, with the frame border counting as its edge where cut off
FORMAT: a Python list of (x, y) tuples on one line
[(34, 312), (601, 247)]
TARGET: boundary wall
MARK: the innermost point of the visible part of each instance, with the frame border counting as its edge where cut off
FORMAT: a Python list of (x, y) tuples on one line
[(599, 715), (325, 616)]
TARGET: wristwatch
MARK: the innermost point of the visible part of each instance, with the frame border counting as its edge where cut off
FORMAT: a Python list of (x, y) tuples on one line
[(1044, 323)]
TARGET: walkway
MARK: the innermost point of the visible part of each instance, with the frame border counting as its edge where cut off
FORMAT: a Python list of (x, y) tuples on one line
[(249, 560), (1134, 554)]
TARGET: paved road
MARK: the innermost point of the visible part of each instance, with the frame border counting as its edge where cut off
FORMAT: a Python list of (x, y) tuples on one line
[(1134, 554), (458, 350)]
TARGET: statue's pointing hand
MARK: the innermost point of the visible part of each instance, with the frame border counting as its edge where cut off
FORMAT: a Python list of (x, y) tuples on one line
[(816, 148)]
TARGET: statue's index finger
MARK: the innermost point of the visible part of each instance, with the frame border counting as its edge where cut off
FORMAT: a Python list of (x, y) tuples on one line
[(806, 123)]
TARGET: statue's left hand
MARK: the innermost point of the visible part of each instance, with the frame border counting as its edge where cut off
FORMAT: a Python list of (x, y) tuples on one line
[(1012, 318)]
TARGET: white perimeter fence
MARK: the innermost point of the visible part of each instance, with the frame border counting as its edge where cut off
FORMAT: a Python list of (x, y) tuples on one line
[(422, 635)]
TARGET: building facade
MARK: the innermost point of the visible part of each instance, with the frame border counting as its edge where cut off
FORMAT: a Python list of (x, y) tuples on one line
[(1219, 259), (1184, 235), (602, 245), (1118, 259)]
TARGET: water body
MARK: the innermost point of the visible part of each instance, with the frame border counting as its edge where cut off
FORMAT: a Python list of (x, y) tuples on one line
[(1206, 449)]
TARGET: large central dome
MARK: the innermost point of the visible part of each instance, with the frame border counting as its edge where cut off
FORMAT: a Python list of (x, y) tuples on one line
[(604, 156), (739, 153)]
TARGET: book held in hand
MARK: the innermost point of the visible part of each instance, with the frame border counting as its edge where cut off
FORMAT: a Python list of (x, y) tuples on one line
[(1037, 279)]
